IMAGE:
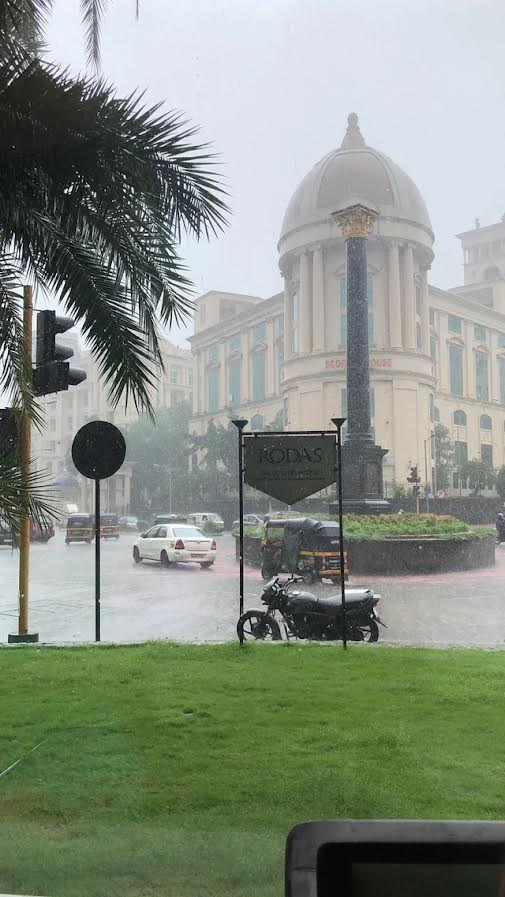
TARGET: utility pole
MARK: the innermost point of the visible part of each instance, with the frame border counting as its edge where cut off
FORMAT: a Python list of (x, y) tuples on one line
[(25, 438)]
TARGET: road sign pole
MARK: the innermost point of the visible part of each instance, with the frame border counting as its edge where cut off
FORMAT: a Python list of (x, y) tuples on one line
[(240, 424), (339, 422), (97, 560)]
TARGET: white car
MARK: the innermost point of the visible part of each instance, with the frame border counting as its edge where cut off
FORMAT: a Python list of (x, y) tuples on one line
[(175, 544)]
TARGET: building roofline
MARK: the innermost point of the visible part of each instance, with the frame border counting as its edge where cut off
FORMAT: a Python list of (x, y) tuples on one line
[(242, 318)]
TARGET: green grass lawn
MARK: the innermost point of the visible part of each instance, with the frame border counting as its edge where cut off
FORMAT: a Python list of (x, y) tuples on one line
[(178, 770)]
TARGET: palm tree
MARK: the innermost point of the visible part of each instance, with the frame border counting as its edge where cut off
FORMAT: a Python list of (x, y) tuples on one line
[(95, 192)]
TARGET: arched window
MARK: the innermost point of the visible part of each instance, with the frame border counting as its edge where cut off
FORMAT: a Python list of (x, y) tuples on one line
[(257, 422), (485, 422), (459, 419)]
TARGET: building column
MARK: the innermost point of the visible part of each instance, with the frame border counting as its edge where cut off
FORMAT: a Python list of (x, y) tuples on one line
[(270, 360), (394, 299), (305, 334), (223, 391), (408, 299), (425, 313), (469, 361), (288, 323), (318, 317)]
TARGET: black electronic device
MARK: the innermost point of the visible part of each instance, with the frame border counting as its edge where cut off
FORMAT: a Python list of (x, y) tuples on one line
[(394, 858)]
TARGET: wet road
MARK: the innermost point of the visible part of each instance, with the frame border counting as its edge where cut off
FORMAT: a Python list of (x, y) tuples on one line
[(186, 603)]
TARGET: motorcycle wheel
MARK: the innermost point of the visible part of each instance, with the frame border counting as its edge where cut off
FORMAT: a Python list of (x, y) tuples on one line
[(370, 631), (259, 626)]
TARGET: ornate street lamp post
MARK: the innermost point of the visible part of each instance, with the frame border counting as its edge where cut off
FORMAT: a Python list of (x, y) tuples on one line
[(361, 458)]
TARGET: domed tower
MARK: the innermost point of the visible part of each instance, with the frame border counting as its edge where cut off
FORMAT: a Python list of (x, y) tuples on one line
[(313, 263)]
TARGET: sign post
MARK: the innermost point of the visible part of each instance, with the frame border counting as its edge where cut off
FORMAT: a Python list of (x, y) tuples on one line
[(339, 422), (98, 451), (240, 423)]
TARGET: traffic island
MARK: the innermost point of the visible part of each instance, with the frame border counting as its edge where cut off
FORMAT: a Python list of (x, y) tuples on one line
[(404, 544)]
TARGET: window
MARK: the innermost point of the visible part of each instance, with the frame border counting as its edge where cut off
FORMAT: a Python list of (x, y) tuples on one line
[(460, 460), (418, 298), (173, 375), (234, 343), (432, 316), (419, 336), (213, 389), (436, 415), (485, 422), (456, 370), (257, 422), (432, 407), (190, 378), (258, 376), (260, 332), (234, 382), (486, 454), (295, 306), (295, 343), (501, 374), (481, 376), (454, 324), (213, 352), (480, 333), (459, 418), (501, 340), (433, 348), (279, 325)]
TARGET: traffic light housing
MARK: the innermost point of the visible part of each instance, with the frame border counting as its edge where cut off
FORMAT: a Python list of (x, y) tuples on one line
[(52, 372), (413, 478)]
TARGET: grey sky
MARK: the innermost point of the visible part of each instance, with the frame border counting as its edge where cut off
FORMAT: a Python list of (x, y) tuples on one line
[(271, 83)]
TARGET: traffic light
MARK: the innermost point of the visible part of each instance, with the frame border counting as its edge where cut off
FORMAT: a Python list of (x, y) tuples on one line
[(413, 478), (8, 431), (52, 372)]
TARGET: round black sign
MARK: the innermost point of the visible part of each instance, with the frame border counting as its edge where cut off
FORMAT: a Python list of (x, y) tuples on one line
[(98, 450)]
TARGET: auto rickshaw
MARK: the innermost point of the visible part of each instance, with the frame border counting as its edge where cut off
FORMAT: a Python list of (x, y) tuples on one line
[(109, 526), (303, 546), (80, 528)]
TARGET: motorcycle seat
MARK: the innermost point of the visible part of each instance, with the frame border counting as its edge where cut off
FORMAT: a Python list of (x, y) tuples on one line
[(352, 596)]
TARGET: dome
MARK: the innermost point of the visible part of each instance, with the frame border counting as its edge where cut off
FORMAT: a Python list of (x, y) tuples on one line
[(66, 480), (352, 173)]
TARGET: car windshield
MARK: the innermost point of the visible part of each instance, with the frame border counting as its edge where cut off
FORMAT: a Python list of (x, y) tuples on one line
[(190, 532)]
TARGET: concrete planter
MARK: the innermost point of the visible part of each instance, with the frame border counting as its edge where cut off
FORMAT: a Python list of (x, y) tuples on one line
[(418, 556), (406, 555)]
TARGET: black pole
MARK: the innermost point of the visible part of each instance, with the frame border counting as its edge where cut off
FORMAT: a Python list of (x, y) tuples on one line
[(97, 560), (341, 535), (240, 424)]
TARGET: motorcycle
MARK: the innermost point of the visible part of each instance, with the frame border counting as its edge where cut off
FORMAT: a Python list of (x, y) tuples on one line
[(307, 616)]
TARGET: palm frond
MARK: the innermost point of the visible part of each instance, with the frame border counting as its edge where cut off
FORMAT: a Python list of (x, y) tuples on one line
[(18, 492), (92, 12)]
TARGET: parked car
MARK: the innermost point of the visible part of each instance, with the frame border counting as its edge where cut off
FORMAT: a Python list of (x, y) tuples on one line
[(204, 517), (129, 523), (249, 520), (175, 543), (170, 518)]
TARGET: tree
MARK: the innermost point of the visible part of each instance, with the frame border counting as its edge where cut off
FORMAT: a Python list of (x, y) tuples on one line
[(159, 453), (444, 456), (500, 482), (479, 474), (95, 193)]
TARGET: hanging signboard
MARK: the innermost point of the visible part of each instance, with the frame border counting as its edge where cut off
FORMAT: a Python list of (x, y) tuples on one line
[(289, 467)]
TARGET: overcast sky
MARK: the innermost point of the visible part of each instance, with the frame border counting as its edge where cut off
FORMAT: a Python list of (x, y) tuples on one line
[(271, 82)]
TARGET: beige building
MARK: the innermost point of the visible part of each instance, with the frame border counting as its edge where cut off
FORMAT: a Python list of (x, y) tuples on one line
[(436, 355), (65, 412)]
